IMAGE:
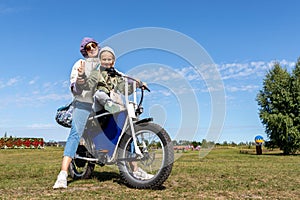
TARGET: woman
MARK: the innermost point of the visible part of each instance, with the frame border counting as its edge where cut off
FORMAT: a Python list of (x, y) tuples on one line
[(83, 100)]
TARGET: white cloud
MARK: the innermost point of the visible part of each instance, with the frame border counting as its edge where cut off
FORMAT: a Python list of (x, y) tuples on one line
[(66, 84), (254, 68), (54, 97), (10, 82), (33, 81), (38, 99), (4, 9), (241, 88), (41, 126)]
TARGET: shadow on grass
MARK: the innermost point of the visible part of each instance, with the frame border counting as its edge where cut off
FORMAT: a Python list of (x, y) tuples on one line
[(102, 177), (267, 153), (279, 154), (115, 177), (106, 176)]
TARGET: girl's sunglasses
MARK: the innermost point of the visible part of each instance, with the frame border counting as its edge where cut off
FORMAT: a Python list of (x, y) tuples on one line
[(89, 46)]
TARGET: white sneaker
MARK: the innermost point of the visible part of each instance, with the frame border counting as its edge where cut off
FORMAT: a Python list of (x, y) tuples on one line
[(61, 181), (141, 174)]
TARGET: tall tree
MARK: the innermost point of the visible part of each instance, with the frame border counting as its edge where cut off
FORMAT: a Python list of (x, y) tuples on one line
[(295, 88), (278, 102)]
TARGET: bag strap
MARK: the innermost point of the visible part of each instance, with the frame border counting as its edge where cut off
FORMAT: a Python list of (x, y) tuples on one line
[(66, 107)]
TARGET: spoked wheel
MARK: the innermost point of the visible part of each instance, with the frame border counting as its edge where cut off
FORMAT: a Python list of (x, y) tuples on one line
[(153, 169), (81, 169)]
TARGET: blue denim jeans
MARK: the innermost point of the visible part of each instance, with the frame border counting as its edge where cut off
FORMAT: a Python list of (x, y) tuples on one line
[(81, 113)]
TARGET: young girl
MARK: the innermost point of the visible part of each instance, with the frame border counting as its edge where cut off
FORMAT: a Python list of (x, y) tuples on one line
[(106, 95), (107, 82)]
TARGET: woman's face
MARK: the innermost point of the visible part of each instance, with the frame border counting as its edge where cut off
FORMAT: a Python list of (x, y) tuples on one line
[(92, 49), (107, 59)]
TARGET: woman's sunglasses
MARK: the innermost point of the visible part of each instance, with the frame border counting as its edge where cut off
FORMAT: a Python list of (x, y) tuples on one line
[(89, 46)]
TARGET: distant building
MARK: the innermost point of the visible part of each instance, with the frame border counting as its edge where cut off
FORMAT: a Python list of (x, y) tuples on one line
[(61, 143)]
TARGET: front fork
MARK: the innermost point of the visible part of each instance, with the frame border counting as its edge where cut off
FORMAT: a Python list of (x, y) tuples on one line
[(131, 115), (135, 145)]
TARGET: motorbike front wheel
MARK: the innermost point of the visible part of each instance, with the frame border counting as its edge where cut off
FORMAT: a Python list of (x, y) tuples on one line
[(154, 167)]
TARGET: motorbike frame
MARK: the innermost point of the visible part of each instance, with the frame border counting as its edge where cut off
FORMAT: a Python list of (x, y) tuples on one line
[(133, 111)]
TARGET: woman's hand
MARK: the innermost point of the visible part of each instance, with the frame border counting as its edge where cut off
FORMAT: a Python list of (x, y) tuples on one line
[(81, 73), (81, 69)]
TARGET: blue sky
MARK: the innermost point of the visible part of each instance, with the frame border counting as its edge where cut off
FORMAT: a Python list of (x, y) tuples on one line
[(40, 43)]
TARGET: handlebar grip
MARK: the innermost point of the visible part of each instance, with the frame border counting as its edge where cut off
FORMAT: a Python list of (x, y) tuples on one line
[(145, 88)]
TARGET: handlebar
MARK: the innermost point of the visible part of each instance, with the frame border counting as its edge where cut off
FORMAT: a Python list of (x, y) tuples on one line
[(112, 72), (142, 86)]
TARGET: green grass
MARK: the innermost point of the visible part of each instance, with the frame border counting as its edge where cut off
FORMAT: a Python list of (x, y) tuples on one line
[(222, 174)]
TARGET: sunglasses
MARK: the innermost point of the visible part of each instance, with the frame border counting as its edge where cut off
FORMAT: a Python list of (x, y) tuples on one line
[(89, 46)]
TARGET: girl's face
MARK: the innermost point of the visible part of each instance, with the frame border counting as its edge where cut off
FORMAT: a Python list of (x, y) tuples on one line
[(107, 59), (92, 49)]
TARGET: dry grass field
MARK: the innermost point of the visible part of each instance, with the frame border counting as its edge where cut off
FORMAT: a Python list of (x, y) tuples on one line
[(225, 173)]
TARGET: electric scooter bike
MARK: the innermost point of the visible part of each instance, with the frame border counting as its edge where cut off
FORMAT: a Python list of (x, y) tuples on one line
[(125, 140)]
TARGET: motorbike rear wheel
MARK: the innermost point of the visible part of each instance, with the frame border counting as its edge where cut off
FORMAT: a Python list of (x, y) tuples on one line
[(158, 156), (81, 169)]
